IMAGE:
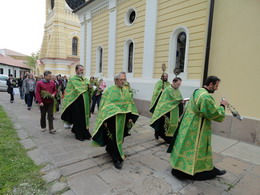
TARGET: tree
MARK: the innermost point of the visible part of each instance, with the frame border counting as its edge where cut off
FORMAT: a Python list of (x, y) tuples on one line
[(32, 60)]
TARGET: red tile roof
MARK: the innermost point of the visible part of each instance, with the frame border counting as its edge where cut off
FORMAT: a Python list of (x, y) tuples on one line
[(7, 60), (9, 52)]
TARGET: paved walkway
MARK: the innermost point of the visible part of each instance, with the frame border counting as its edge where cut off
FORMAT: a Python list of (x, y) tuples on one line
[(146, 170)]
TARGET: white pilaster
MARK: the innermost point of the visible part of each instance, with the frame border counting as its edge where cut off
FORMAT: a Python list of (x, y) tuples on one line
[(150, 38), (89, 47), (82, 40), (112, 39)]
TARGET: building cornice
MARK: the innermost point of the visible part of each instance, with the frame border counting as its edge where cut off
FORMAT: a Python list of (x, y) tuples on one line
[(99, 9)]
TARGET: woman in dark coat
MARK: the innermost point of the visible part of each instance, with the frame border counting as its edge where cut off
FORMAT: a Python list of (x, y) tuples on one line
[(11, 83)]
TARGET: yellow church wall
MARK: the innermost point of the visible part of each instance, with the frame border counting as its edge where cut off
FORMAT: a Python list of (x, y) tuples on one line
[(194, 16), (234, 55), (134, 32), (100, 33), (60, 28), (70, 33)]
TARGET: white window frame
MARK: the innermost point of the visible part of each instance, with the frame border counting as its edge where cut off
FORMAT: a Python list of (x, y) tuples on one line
[(99, 74), (77, 52), (172, 52), (126, 52), (127, 23)]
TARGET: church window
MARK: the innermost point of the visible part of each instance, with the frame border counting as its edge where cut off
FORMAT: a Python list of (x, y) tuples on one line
[(99, 59), (74, 46), (130, 17), (130, 58), (180, 51), (52, 4)]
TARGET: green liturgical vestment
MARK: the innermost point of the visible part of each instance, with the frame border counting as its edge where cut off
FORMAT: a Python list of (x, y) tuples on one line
[(191, 152), (77, 86), (115, 102), (158, 89), (168, 103)]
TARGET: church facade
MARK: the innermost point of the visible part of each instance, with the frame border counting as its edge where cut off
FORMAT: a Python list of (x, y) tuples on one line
[(199, 37), (139, 36), (60, 46)]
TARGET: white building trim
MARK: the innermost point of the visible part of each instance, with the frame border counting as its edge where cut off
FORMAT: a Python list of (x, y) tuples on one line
[(88, 51), (100, 8), (82, 41), (56, 61), (172, 52), (144, 87), (112, 39), (149, 38), (50, 68)]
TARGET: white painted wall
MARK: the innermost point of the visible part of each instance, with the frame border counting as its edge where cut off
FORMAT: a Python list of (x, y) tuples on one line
[(12, 68), (144, 87)]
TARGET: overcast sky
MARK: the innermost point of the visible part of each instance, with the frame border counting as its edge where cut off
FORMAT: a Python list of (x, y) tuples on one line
[(22, 25)]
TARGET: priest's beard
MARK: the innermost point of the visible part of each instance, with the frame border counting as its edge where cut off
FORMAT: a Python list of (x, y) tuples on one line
[(211, 90), (80, 75)]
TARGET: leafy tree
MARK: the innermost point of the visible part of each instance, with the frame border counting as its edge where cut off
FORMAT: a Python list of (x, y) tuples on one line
[(32, 60)]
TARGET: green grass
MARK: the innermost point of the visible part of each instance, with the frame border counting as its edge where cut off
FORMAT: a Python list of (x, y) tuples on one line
[(18, 173)]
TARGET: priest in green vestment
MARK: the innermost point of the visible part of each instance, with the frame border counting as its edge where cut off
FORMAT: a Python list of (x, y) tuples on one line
[(191, 155), (166, 114), (116, 116), (158, 89), (76, 104)]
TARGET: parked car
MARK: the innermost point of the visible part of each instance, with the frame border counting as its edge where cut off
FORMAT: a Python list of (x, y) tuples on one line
[(3, 79)]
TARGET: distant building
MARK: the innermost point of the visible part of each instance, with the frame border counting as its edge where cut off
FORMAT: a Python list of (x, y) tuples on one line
[(60, 46), (12, 62)]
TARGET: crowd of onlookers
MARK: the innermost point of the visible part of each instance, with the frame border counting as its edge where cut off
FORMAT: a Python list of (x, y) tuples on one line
[(26, 87)]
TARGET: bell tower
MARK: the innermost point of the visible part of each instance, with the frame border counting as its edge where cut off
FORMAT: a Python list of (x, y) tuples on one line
[(60, 46)]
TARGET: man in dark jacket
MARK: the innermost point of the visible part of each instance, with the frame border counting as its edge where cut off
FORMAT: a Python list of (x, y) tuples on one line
[(20, 85)]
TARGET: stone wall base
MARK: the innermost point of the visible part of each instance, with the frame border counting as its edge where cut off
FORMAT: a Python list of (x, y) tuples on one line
[(247, 130)]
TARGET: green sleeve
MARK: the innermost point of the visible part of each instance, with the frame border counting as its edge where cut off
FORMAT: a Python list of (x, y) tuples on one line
[(211, 111)]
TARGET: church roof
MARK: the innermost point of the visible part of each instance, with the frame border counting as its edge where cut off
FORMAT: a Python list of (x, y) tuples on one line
[(77, 5)]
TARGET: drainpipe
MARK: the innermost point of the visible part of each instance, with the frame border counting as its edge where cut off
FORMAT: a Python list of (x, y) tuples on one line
[(206, 64)]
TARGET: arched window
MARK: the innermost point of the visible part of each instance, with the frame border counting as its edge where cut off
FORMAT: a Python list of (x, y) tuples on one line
[(130, 57), (100, 60), (74, 46), (180, 51), (52, 4)]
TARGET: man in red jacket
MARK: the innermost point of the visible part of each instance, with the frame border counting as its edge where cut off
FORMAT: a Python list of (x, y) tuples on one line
[(45, 93)]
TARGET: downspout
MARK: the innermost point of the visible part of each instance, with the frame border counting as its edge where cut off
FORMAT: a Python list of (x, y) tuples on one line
[(206, 64)]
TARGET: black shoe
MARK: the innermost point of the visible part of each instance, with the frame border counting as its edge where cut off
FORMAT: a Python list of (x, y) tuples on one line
[(29, 108), (221, 172), (156, 136), (11, 101), (81, 139), (118, 164)]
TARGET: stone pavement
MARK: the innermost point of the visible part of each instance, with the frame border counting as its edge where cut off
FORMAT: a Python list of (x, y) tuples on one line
[(75, 167)]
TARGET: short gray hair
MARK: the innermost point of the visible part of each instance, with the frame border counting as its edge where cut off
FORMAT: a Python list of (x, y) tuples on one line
[(117, 76), (122, 73)]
